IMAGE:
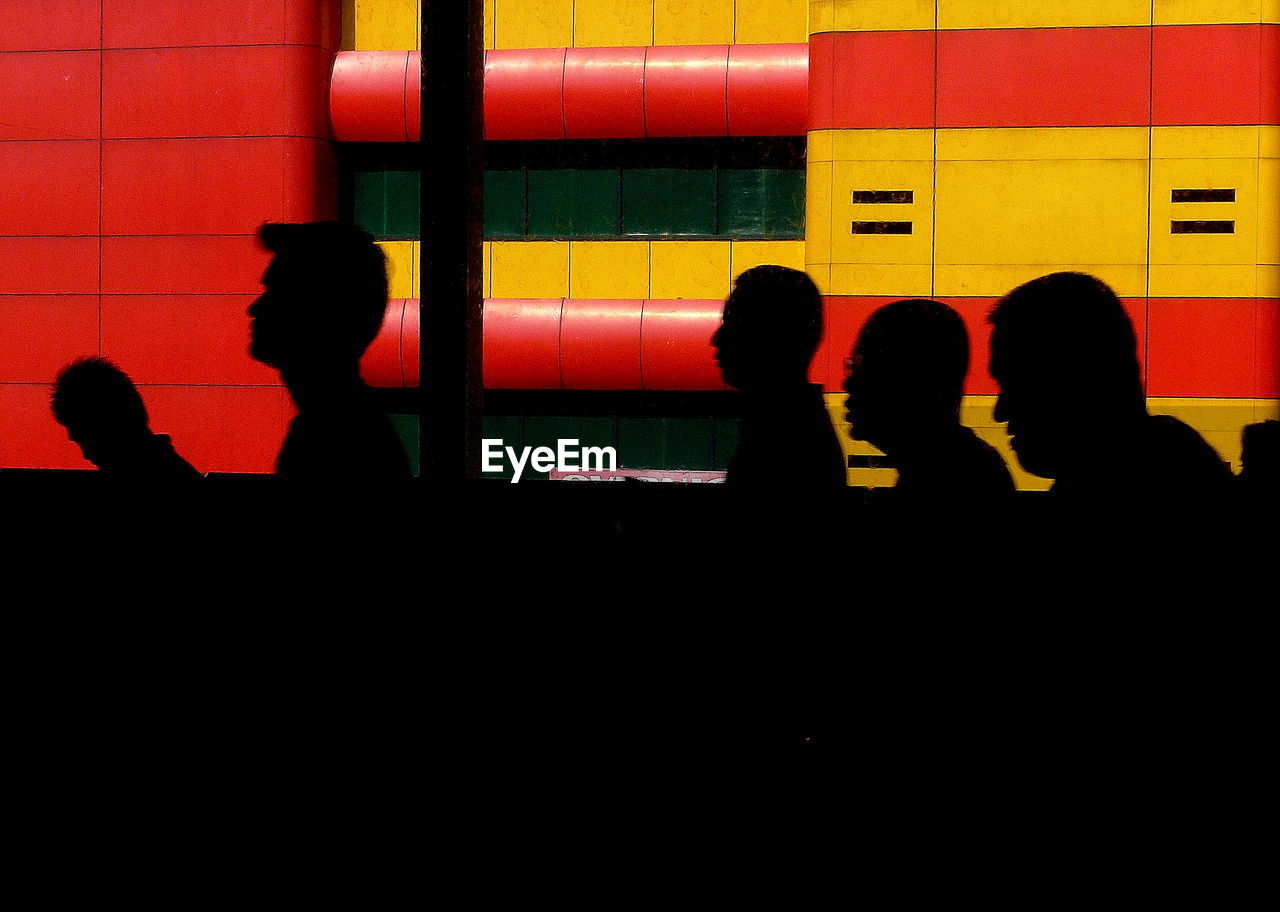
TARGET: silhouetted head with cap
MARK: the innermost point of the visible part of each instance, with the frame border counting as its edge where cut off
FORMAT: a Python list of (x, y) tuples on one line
[(1065, 356), (906, 373), (101, 409), (770, 329), (324, 299)]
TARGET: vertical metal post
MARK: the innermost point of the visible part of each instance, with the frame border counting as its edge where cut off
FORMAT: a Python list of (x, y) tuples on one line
[(452, 232)]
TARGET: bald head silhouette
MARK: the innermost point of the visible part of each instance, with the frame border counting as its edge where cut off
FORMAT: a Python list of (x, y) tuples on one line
[(1065, 356), (905, 385), (906, 371)]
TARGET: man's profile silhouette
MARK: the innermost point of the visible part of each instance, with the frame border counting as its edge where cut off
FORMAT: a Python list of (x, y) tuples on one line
[(905, 383), (104, 415), (769, 332), (1260, 458), (324, 299), (1064, 354)]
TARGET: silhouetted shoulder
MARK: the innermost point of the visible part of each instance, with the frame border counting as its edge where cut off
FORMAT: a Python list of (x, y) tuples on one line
[(162, 460), (787, 440), (1177, 457), (347, 441), (988, 474), (957, 464)]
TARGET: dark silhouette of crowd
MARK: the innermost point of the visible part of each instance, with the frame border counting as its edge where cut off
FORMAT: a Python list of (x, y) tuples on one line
[(1063, 354), (323, 301)]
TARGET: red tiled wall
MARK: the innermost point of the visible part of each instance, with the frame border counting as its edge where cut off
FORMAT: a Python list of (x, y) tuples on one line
[(141, 145), (1212, 347)]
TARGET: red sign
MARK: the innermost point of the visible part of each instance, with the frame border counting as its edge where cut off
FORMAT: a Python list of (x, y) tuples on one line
[(658, 475)]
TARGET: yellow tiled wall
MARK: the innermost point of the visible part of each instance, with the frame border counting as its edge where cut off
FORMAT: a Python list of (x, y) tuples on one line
[(894, 15), (639, 23), (382, 25), (627, 269), (402, 268), (987, 238)]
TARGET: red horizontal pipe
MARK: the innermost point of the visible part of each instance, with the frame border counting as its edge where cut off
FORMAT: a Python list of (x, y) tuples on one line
[(1132, 75), (368, 94), (1214, 347), (589, 93), (554, 343)]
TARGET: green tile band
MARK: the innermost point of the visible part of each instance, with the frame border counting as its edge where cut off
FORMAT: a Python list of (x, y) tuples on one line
[(668, 202), (571, 202), (387, 204), (610, 202)]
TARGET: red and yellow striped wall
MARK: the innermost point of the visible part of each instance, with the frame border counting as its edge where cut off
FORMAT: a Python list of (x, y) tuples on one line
[(957, 149)]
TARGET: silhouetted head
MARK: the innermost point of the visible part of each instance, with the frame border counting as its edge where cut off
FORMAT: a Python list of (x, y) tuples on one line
[(1066, 358), (324, 300), (1260, 453), (906, 373), (771, 327), (100, 408)]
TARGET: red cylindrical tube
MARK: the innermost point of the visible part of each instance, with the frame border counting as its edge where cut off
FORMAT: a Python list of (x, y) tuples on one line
[(381, 365), (594, 93), (522, 343), (768, 89), (366, 96), (604, 93), (409, 350), (600, 345), (675, 345), (524, 94), (685, 91), (552, 343), (413, 97)]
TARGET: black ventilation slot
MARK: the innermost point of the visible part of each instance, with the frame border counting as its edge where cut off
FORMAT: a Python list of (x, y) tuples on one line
[(1204, 196), (1203, 227), (881, 227), (885, 196)]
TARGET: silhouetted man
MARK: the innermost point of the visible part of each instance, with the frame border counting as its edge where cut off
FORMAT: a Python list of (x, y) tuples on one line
[(326, 293), (905, 383), (104, 415), (1065, 356), (1260, 458), (770, 329)]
